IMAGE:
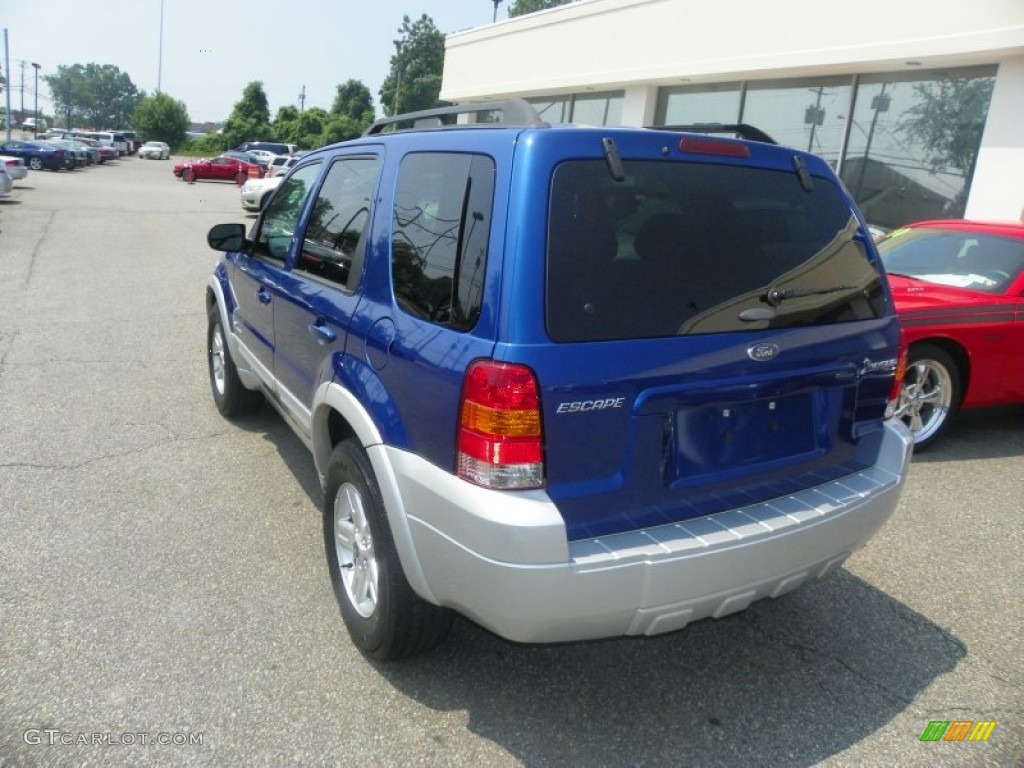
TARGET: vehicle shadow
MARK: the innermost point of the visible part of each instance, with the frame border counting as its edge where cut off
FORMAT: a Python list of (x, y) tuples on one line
[(789, 682), (986, 433), (268, 423), (4, 201)]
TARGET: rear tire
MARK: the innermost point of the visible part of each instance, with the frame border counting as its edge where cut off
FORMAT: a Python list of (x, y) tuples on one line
[(229, 395), (35, 164), (930, 394), (385, 618)]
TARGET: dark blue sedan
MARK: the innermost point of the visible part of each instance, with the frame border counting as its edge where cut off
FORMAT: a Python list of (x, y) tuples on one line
[(38, 156)]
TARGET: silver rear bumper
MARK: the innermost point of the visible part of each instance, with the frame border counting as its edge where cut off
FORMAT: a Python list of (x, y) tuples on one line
[(503, 559)]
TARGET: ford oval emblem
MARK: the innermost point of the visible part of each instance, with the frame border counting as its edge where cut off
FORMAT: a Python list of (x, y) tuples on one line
[(762, 353)]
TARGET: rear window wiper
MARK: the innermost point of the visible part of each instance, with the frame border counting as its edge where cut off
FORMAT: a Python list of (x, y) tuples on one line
[(775, 296)]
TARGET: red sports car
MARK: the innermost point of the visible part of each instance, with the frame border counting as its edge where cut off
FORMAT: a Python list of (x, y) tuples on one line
[(959, 291), (224, 168)]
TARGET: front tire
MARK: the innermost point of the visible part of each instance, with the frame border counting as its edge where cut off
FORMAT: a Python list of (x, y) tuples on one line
[(930, 394), (386, 619), (229, 395)]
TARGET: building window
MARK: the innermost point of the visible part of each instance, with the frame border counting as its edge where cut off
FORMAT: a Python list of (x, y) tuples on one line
[(598, 108), (712, 103), (913, 142), (807, 114), (583, 108)]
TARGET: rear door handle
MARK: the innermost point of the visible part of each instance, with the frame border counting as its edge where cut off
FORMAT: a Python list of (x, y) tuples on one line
[(263, 295), (322, 332)]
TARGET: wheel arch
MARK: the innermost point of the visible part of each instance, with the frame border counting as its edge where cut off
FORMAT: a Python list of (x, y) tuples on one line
[(338, 415), (956, 351)]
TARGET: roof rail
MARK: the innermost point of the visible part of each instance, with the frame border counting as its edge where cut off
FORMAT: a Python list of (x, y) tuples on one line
[(514, 112), (743, 130)]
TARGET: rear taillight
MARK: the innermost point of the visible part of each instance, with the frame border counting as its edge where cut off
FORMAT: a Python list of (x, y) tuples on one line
[(897, 382), (500, 441)]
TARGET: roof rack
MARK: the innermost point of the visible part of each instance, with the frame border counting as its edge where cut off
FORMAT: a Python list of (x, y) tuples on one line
[(743, 130), (513, 112)]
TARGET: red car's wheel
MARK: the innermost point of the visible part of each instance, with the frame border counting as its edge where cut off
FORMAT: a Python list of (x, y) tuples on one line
[(930, 393)]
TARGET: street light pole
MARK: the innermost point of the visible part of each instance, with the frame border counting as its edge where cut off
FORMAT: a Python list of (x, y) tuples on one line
[(495, 17), (35, 128), (160, 55)]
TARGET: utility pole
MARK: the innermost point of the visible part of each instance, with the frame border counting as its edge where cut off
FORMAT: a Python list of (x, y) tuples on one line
[(23, 90), (7, 88), (302, 100)]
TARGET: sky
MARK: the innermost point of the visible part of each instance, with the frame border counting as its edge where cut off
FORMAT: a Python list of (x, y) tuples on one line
[(213, 48)]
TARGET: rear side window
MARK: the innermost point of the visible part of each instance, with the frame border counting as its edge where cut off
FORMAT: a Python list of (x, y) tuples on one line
[(441, 223), (688, 248)]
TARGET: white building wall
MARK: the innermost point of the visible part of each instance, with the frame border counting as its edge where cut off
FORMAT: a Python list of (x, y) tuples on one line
[(998, 189), (611, 44)]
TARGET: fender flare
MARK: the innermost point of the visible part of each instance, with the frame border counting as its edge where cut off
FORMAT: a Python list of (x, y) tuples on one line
[(331, 396)]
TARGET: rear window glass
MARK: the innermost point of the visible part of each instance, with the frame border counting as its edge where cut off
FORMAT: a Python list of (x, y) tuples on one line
[(985, 263), (439, 231), (687, 248)]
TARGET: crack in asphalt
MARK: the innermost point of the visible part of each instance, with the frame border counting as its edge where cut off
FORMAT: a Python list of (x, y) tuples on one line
[(104, 457), (35, 250)]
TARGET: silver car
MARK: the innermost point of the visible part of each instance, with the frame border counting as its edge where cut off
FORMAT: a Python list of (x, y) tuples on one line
[(154, 150), (14, 166)]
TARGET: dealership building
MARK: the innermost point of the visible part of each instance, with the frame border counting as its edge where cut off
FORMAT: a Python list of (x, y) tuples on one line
[(918, 104)]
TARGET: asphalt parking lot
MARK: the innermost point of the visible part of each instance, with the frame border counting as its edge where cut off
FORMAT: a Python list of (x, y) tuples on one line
[(162, 576)]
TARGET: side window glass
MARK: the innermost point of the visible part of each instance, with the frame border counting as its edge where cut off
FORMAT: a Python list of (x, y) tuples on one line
[(341, 213), (441, 224), (280, 219)]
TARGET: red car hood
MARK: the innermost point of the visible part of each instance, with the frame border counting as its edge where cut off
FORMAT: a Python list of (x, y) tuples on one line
[(913, 295)]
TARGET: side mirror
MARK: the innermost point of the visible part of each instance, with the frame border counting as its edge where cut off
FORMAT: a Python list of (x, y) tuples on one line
[(227, 237)]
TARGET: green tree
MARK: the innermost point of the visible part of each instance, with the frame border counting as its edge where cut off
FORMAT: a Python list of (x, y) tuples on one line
[(250, 118), (162, 118), (523, 7), (414, 81), (351, 113), (95, 95), (352, 99), (948, 120), (286, 124)]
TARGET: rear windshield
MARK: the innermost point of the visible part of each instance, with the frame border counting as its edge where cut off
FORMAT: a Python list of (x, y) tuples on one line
[(985, 263), (687, 248)]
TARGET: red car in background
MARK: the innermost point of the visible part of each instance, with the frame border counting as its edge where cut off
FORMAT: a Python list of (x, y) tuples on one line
[(959, 291), (223, 167)]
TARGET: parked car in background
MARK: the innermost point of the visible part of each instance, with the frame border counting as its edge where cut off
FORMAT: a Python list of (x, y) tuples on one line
[(278, 148), (6, 183), (14, 166), (223, 168), (959, 291), (105, 152), (132, 140), (79, 157), (255, 192), (39, 155), (280, 164), (154, 150), (263, 156), (247, 157), (93, 155)]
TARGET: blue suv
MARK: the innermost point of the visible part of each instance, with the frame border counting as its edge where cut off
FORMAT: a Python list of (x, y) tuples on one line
[(568, 382)]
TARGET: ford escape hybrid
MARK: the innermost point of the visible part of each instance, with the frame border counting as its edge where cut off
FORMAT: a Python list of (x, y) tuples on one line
[(568, 382)]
